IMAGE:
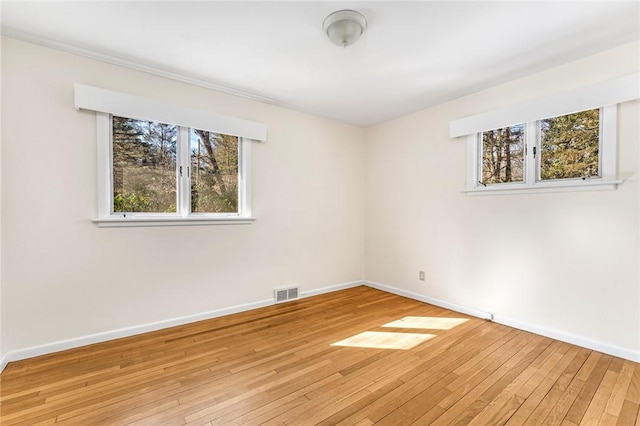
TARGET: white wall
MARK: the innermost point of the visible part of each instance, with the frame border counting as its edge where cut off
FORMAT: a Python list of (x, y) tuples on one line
[(565, 263), (65, 278)]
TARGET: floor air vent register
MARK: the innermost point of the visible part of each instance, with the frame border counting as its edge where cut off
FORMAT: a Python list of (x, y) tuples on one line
[(286, 294)]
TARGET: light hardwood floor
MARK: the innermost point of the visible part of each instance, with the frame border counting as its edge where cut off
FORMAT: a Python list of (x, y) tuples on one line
[(279, 365)]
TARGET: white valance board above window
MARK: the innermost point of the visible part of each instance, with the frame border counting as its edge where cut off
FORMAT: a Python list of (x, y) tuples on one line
[(610, 92), (130, 106)]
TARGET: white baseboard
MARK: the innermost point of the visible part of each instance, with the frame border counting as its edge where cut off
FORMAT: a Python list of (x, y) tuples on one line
[(126, 332), (429, 300), (3, 363), (62, 345), (331, 288), (584, 342)]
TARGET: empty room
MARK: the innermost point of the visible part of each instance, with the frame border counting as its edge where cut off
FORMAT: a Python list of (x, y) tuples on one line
[(314, 212)]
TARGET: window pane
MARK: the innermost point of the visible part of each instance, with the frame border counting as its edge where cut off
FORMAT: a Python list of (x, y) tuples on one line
[(570, 146), (214, 172), (144, 166), (503, 155)]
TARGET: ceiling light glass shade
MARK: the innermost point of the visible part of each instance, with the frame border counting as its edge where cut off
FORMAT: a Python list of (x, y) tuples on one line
[(344, 27)]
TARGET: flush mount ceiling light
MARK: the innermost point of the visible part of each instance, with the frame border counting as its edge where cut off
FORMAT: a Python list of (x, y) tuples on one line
[(344, 27)]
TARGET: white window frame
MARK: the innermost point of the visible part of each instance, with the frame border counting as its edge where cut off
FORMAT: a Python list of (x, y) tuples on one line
[(605, 95), (183, 216), (107, 103), (606, 179)]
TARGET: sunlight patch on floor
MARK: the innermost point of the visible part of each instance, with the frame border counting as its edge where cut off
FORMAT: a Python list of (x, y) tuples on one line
[(427, 323), (385, 340)]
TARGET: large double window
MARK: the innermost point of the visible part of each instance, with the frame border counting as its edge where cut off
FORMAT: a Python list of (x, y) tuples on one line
[(151, 174), (161, 164)]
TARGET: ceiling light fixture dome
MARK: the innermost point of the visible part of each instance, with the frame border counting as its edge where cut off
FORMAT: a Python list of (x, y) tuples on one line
[(344, 27)]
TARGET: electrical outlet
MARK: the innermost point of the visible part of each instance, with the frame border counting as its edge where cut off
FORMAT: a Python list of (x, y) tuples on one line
[(421, 275)]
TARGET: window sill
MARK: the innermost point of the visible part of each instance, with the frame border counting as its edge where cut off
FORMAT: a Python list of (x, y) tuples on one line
[(609, 185), (120, 222)]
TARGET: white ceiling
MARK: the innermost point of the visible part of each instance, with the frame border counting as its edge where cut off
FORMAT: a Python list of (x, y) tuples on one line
[(413, 55)]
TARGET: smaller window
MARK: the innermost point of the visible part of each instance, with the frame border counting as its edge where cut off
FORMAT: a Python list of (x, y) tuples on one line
[(576, 150)]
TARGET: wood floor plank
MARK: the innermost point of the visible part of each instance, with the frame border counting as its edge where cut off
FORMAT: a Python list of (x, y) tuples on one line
[(415, 409), (633, 393), (487, 374), (498, 382), (620, 389), (279, 365), (592, 381), (498, 409), (569, 393), (628, 413), (415, 383), (598, 404), (558, 389), (536, 389)]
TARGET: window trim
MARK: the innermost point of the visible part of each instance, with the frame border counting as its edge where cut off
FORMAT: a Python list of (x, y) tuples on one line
[(610, 92), (608, 155), (125, 105), (107, 218)]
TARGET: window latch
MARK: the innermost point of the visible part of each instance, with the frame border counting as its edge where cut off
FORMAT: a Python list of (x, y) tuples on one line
[(180, 168), (534, 152)]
